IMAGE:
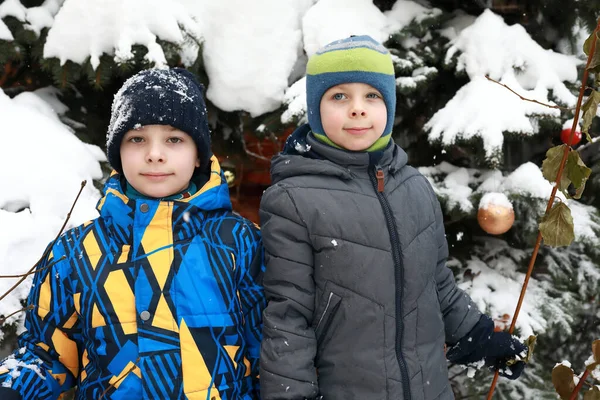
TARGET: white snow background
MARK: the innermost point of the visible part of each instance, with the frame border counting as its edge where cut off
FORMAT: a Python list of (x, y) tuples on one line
[(42, 165)]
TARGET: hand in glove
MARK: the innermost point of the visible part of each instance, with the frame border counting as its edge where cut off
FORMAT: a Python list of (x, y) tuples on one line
[(494, 348)]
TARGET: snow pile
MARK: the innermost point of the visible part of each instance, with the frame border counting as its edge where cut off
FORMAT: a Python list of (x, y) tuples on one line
[(509, 55), (35, 18), (89, 29), (330, 20), (496, 199), (41, 169), (295, 99), (248, 65), (404, 12), (456, 187)]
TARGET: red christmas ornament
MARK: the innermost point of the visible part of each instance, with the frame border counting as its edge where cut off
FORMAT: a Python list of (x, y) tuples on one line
[(566, 133)]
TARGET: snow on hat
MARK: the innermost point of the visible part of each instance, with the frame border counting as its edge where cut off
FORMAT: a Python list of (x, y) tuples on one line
[(355, 59), (159, 97)]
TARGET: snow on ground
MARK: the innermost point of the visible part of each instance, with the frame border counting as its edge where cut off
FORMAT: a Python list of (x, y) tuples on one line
[(41, 169)]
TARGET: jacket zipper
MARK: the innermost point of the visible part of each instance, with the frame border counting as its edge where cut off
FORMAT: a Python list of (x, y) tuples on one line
[(325, 311), (377, 179)]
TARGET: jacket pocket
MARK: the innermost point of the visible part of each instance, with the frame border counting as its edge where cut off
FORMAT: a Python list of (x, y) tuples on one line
[(324, 321), (350, 334)]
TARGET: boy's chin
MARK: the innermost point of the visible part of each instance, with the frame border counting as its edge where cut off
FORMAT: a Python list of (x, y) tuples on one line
[(157, 193), (354, 146)]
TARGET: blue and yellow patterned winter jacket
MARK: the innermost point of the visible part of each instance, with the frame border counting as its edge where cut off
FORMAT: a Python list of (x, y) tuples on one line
[(152, 300)]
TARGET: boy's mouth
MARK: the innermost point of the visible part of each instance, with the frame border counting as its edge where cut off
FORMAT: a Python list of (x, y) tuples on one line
[(155, 175), (356, 131)]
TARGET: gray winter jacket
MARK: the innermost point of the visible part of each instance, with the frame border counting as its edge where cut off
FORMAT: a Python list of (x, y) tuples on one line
[(361, 301)]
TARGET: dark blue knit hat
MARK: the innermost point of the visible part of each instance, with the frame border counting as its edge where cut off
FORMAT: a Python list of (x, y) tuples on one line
[(160, 97), (354, 59)]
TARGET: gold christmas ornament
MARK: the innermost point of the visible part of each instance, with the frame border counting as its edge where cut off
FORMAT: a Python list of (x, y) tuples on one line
[(496, 219)]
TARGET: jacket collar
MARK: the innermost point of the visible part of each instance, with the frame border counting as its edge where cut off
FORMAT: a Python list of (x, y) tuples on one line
[(303, 154)]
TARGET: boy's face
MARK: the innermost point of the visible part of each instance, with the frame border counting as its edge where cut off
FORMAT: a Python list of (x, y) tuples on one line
[(353, 115), (158, 160)]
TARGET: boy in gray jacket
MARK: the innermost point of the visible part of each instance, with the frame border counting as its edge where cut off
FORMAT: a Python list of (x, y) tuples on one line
[(360, 300)]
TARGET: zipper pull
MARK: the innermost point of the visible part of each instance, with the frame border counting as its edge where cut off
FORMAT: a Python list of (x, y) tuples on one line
[(380, 180)]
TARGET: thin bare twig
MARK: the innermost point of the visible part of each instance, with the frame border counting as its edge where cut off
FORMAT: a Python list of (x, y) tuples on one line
[(43, 257), (3, 319), (526, 99), (579, 385), (251, 153), (552, 197), (50, 265)]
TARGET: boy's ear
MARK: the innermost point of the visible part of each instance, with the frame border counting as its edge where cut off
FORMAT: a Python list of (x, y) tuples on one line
[(197, 162)]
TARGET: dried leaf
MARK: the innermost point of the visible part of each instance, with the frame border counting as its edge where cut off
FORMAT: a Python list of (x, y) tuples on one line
[(562, 378), (592, 394), (588, 44), (596, 350), (595, 62), (551, 165), (577, 172), (589, 108), (557, 226), (530, 344)]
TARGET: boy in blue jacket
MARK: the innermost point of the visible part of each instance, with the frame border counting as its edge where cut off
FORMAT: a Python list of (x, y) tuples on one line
[(160, 297), (360, 301)]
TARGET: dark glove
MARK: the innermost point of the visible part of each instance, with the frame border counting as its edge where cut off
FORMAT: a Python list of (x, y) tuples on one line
[(495, 349), (9, 394)]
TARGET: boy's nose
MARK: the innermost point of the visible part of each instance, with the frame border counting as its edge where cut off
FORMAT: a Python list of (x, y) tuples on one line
[(358, 109), (155, 154)]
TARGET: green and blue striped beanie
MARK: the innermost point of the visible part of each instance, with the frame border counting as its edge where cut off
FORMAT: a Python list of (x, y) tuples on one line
[(355, 59)]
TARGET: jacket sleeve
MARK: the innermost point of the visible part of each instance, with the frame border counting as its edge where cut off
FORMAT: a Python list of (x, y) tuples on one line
[(47, 362), (252, 296), (459, 311), (289, 345)]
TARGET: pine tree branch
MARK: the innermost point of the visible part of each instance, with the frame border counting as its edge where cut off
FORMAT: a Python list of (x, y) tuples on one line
[(526, 99), (552, 196), (43, 257)]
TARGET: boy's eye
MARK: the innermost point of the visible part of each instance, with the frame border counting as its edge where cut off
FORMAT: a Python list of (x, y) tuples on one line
[(338, 96), (373, 96), (136, 139), (174, 140)]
